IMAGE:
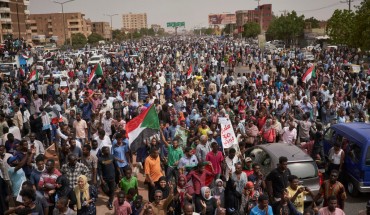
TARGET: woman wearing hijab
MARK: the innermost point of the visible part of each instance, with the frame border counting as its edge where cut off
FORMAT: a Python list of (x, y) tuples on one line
[(219, 192), (268, 133), (232, 197), (208, 201), (63, 190), (194, 115), (86, 196), (163, 186), (184, 191)]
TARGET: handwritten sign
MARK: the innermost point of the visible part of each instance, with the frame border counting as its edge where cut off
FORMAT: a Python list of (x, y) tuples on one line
[(228, 137)]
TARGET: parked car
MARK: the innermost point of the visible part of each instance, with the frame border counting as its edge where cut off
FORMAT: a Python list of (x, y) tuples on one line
[(355, 141), (96, 60), (299, 163)]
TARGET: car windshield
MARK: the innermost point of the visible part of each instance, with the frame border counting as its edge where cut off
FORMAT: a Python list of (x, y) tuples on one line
[(303, 170)]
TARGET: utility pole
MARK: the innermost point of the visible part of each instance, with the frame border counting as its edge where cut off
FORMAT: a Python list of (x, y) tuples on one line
[(111, 25), (347, 2), (259, 14), (64, 20)]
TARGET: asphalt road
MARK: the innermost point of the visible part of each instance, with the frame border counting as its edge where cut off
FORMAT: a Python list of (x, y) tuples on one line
[(353, 205)]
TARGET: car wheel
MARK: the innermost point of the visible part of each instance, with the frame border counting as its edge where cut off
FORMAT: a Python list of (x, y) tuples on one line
[(352, 189)]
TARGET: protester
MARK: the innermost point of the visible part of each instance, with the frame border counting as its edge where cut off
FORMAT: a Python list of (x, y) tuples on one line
[(191, 83)]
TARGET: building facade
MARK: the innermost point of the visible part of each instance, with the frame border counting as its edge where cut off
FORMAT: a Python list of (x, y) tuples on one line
[(103, 29), (132, 21), (13, 16), (53, 26), (263, 13)]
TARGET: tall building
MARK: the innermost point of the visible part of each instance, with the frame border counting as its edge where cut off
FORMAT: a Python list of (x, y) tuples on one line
[(103, 29), (263, 12), (132, 21), (13, 16), (52, 25)]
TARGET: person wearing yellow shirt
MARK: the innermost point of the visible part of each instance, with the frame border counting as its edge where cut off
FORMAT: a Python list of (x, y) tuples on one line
[(203, 128), (297, 193)]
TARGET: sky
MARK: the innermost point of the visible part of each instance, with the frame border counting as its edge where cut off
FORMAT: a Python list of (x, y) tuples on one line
[(193, 12)]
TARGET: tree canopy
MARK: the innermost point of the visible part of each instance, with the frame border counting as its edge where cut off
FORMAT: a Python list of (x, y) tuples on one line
[(79, 40), (94, 38), (351, 28), (251, 29), (287, 27)]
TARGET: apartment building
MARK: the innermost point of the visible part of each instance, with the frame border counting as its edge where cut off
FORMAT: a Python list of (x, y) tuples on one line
[(53, 26), (134, 21), (13, 16), (263, 12), (103, 29)]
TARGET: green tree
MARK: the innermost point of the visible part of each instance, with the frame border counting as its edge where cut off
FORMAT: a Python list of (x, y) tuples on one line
[(362, 26), (229, 28), (79, 40), (341, 26), (251, 29), (118, 35), (94, 38), (288, 28), (314, 22)]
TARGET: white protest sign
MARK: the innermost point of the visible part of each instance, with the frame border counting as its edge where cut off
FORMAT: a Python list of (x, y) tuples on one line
[(228, 137)]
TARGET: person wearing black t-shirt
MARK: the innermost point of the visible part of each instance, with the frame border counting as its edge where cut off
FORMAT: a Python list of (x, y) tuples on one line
[(277, 180)]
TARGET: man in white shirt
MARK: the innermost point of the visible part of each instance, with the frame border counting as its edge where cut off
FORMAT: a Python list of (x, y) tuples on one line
[(230, 161), (289, 134), (103, 140), (36, 144)]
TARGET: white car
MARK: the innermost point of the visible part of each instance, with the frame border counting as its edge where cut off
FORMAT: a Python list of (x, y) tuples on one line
[(309, 57), (96, 60)]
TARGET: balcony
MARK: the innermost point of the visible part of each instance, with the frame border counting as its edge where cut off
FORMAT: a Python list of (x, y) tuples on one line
[(7, 31), (6, 20), (5, 1), (26, 2), (27, 12), (4, 10)]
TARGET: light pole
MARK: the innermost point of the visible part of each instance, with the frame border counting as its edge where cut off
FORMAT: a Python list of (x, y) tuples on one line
[(111, 25), (64, 21)]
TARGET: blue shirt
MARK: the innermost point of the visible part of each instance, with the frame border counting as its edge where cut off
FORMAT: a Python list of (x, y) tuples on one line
[(86, 111), (120, 153), (257, 211)]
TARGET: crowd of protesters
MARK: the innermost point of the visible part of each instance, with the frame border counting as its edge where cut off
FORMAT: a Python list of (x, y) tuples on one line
[(191, 82)]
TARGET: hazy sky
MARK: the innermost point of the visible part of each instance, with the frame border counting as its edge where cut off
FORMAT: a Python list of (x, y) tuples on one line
[(192, 12)]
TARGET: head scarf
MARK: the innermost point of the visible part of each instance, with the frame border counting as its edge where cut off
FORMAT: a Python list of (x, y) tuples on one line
[(181, 189), (267, 125), (84, 192), (165, 190), (203, 191)]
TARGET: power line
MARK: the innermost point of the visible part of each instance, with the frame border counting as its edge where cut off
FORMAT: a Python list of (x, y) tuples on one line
[(348, 2), (328, 6)]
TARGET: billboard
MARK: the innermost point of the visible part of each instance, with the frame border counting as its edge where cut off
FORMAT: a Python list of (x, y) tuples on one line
[(222, 19), (175, 24)]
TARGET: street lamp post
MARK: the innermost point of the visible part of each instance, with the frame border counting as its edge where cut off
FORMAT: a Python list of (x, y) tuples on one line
[(111, 25), (64, 21)]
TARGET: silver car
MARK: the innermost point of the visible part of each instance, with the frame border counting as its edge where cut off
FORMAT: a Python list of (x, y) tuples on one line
[(299, 163)]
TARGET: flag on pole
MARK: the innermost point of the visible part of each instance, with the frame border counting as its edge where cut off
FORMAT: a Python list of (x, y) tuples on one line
[(97, 71), (145, 125), (190, 70), (34, 76), (310, 73)]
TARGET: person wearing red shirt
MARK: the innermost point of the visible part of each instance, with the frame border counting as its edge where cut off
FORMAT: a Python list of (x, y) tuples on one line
[(48, 180), (216, 158), (198, 177)]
